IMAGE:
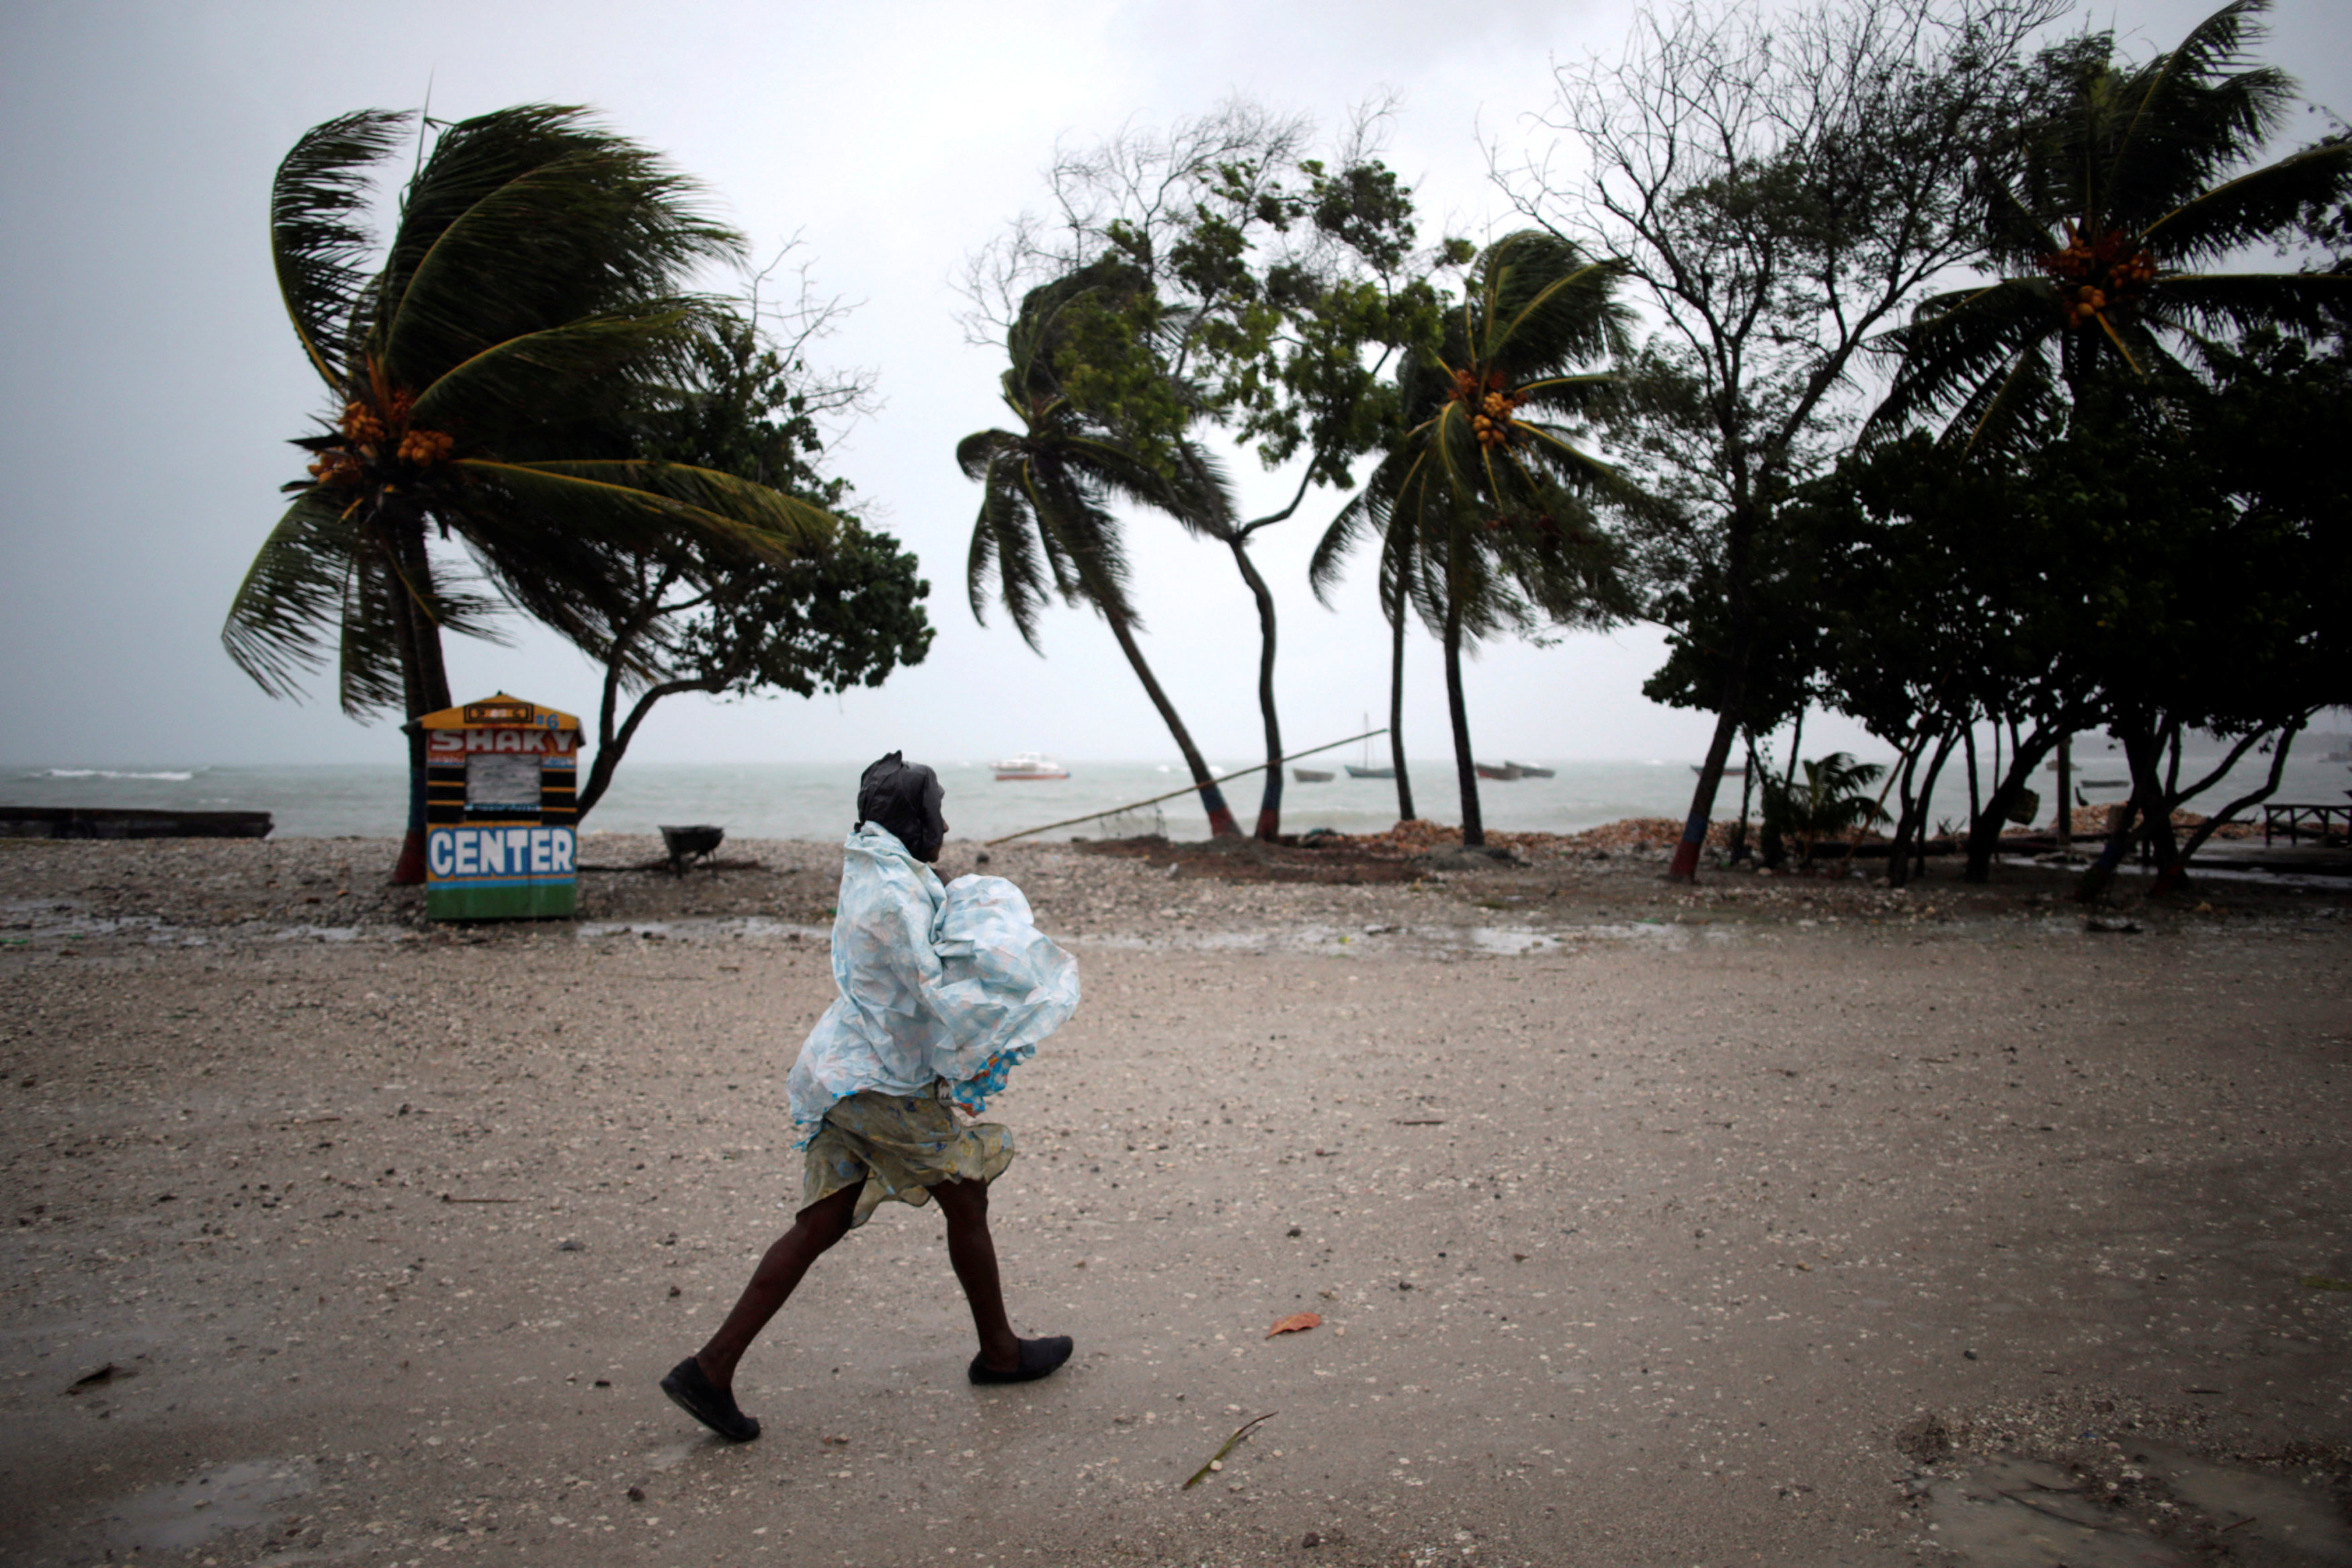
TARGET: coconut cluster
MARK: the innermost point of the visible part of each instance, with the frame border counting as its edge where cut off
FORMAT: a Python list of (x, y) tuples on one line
[(1491, 405), (2097, 272), (367, 429)]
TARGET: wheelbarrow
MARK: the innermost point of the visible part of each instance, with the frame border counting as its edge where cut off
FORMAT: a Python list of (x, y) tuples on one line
[(688, 845)]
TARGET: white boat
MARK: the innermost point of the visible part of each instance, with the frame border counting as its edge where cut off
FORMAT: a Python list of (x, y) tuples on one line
[(1311, 775), (1503, 773), (1028, 765), (1529, 770)]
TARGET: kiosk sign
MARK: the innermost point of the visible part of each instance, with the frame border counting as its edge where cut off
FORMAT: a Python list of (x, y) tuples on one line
[(499, 810)]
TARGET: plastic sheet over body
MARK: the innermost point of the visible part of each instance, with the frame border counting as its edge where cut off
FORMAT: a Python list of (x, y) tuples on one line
[(936, 982)]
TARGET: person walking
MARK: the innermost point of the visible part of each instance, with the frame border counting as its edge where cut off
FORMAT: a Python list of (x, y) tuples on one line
[(943, 989)]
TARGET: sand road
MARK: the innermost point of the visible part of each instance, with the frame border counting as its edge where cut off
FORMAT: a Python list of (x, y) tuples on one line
[(1994, 1241)]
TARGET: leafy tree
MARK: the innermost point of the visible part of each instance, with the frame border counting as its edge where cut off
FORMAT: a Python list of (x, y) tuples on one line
[(2224, 611), (484, 370), (1953, 594), (1482, 504), (1781, 185), (1045, 525), (2120, 198), (846, 614), (1270, 290), (843, 612)]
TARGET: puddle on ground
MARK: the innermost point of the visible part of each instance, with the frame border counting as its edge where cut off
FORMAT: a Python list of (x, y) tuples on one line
[(1407, 941), (735, 928), (156, 931), (187, 1514), (2007, 1513)]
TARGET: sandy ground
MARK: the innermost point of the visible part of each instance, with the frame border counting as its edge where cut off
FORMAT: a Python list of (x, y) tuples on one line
[(1786, 1221)]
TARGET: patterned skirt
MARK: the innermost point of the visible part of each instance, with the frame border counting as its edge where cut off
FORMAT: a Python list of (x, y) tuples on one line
[(898, 1147)]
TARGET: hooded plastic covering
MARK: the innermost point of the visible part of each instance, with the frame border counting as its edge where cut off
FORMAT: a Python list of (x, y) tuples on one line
[(951, 982), (904, 797)]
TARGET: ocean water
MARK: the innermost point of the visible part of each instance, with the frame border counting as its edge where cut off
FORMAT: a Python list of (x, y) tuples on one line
[(817, 800)]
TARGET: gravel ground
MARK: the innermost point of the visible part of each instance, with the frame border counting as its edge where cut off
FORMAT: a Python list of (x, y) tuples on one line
[(1785, 1220)]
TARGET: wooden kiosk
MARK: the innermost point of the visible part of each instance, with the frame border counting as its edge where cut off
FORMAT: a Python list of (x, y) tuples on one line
[(499, 842)]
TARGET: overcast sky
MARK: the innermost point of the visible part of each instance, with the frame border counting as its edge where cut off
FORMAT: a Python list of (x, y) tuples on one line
[(151, 382)]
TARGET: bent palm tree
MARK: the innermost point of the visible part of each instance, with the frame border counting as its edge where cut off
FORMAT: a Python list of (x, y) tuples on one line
[(2119, 200), (1481, 504), (481, 376), (1045, 527)]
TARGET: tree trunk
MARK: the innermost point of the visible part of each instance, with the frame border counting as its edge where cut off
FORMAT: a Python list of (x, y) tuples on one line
[(423, 678), (1212, 800), (2144, 750), (1702, 812), (1474, 826), (2065, 824), (613, 744), (1396, 714), (2102, 872), (2170, 881), (1984, 834), (1747, 797), (1269, 809)]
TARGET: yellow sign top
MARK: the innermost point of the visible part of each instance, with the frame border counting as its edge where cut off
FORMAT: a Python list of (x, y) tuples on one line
[(499, 712)]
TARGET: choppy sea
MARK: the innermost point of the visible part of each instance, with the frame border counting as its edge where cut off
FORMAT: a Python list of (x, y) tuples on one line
[(815, 800)]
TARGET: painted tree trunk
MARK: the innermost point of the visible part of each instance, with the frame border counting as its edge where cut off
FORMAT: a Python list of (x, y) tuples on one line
[(1710, 775), (1212, 800), (1474, 824)]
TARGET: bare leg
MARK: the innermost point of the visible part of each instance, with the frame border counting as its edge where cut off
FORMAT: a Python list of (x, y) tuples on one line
[(815, 1229), (973, 1253)]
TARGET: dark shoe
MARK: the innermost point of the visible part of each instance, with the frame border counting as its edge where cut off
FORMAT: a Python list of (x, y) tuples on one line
[(691, 1391), (1038, 1357)]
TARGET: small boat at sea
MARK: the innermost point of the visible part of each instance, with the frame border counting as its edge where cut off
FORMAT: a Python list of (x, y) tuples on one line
[(1501, 773), (1311, 775), (1027, 766), (1728, 772), (1365, 769), (1529, 770)]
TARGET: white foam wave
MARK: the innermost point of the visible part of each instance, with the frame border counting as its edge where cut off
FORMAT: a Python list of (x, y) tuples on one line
[(108, 773)]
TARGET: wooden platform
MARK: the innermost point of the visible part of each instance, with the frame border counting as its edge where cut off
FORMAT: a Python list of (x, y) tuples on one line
[(2296, 817), (109, 823)]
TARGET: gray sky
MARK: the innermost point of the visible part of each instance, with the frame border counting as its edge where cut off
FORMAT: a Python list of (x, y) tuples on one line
[(151, 382)]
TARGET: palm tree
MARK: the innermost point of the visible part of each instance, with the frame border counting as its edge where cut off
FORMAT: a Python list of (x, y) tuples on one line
[(2110, 211), (1046, 527), (481, 375), (1481, 504)]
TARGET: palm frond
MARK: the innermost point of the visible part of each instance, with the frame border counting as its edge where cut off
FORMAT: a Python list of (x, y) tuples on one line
[(610, 358), (282, 621), (368, 674), (633, 505), (2305, 302), (2253, 206), (316, 237), (977, 451), (1960, 346), (524, 220)]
